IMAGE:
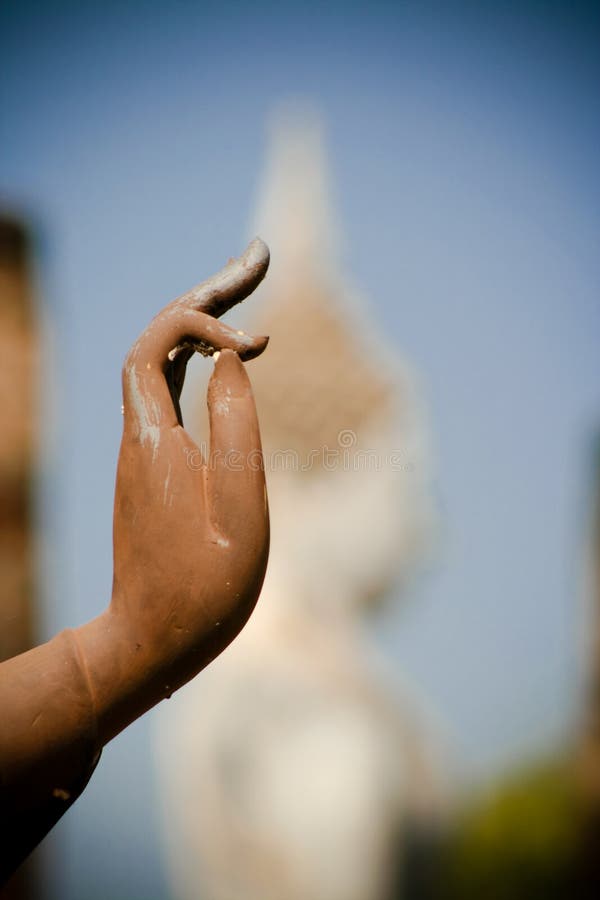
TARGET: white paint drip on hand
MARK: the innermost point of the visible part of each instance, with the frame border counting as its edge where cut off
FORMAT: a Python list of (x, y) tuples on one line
[(147, 412), (221, 404), (167, 479)]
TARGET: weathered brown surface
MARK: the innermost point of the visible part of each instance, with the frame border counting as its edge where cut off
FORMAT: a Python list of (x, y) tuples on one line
[(190, 553)]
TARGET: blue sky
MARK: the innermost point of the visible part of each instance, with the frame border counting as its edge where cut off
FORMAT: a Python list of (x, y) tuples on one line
[(463, 142)]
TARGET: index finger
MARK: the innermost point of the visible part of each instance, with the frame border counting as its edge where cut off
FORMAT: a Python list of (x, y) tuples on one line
[(215, 296), (231, 285), (164, 347)]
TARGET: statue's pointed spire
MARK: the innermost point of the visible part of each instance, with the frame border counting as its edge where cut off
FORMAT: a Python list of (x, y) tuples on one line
[(297, 699), (295, 213), (320, 377)]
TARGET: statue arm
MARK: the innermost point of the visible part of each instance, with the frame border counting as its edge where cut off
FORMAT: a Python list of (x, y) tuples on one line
[(190, 552)]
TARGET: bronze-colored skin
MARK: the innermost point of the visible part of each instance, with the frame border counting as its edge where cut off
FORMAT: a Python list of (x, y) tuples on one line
[(190, 553)]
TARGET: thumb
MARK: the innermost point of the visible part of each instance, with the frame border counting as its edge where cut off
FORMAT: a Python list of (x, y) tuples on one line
[(236, 480)]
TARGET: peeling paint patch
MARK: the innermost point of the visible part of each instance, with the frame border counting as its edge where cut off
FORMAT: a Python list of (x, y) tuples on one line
[(221, 407)]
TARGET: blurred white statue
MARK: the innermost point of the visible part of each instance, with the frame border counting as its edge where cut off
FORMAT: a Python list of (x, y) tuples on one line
[(288, 771)]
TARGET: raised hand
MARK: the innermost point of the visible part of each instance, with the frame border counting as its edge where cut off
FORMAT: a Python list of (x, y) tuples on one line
[(190, 540)]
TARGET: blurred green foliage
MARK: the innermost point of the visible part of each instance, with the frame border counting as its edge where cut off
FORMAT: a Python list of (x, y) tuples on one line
[(518, 841)]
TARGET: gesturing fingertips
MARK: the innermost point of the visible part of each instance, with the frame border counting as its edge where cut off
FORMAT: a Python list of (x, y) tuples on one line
[(173, 331), (176, 327), (154, 370), (207, 336)]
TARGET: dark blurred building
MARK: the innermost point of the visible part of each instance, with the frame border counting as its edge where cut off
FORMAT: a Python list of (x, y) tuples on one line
[(18, 340), (18, 418)]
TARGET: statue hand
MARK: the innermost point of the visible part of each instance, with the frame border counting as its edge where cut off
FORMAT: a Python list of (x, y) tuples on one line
[(190, 536)]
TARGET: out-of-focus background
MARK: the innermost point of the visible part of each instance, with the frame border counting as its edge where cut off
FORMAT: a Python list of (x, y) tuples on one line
[(412, 714)]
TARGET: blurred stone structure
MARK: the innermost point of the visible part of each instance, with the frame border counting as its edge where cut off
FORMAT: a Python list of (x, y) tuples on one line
[(19, 345), (288, 770), (19, 340)]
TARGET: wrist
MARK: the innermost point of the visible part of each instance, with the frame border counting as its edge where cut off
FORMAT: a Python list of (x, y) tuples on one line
[(116, 670), (129, 670)]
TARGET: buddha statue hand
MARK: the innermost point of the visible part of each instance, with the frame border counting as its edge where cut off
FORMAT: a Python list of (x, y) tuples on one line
[(191, 534)]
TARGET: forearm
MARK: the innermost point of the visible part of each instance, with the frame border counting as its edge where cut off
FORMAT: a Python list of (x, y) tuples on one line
[(60, 703), (48, 742), (48, 724)]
